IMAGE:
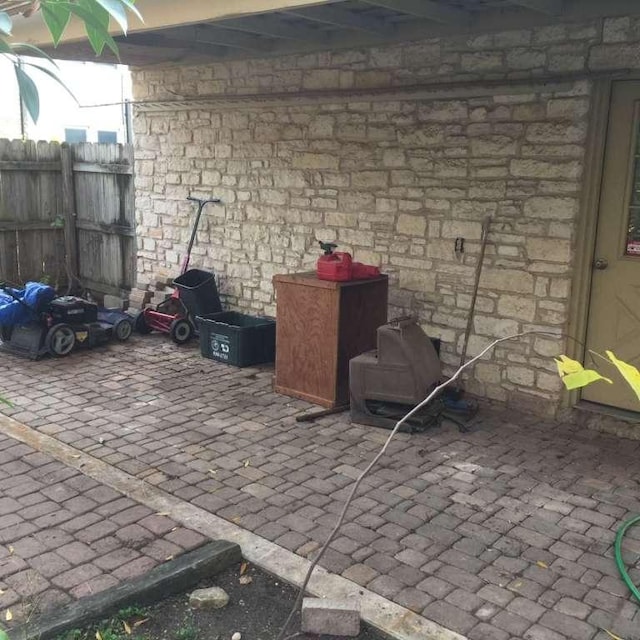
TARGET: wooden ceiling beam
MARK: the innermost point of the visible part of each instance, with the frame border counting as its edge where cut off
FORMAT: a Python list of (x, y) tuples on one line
[(209, 34), (269, 25), (427, 9), (336, 16), (548, 7), (160, 41)]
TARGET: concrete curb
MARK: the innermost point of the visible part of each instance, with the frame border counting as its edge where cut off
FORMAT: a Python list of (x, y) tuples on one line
[(170, 578), (386, 616)]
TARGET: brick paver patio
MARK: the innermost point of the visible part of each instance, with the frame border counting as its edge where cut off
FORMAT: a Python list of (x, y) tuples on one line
[(502, 533), (64, 536)]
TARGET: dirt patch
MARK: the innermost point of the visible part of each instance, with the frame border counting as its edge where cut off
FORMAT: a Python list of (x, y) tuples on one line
[(256, 610)]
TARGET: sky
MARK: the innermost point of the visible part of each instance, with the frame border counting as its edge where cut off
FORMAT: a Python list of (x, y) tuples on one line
[(90, 83)]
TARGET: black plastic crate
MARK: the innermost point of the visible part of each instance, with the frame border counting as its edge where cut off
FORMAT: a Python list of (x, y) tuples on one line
[(198, 292), (237, 339)]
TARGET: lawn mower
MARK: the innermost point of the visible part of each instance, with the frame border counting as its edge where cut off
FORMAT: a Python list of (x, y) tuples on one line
[(35, 322), (195, 294)]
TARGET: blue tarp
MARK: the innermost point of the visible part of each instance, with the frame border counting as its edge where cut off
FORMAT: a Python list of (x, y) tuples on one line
[(35, 294)]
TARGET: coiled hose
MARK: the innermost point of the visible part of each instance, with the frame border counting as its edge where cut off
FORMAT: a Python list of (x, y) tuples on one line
[(617, 549)]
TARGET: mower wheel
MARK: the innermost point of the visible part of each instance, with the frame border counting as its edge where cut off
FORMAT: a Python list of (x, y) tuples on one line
[(123, 329), (60, 340), (141, 324), (181, 331)]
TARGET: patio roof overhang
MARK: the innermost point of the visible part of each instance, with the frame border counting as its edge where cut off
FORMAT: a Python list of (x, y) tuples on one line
[(205, 30)]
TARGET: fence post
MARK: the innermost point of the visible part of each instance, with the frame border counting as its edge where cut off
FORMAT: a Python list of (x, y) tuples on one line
[(69, 206)]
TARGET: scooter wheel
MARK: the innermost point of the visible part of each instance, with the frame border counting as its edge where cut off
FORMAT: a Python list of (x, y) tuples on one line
[(60, 340), (5, 333), (123, 329), (181, 331), (141, 324)]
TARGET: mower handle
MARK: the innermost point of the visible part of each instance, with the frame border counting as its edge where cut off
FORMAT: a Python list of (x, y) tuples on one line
[(203, 202)]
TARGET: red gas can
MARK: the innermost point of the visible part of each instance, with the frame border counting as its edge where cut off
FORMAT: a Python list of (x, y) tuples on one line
[(339, 267), (332, 265)]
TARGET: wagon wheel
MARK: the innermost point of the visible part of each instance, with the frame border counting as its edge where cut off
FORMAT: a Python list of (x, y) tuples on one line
[(141, 324), (60, 340), (181, 331)]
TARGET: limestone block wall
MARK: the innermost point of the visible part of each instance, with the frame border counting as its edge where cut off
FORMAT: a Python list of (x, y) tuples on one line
[(306, 148)]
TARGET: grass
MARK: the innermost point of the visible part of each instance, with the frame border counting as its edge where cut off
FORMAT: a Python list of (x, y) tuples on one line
[(121, 626)]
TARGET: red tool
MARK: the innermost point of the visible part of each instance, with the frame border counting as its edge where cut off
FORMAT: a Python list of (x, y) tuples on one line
[(195, 293), (339, 266)]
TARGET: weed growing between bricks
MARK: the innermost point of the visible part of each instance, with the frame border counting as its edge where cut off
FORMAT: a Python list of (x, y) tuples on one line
[(354, 489)]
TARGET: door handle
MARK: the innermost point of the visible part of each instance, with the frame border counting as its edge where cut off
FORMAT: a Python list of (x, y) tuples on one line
[(601, 264)]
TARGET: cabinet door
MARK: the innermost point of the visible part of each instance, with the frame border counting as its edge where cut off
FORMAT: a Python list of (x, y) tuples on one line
[(306, 342)]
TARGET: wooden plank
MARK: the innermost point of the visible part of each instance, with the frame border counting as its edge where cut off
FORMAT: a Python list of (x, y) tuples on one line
[(95, 167), (97, 286), (110, 229), (176, 46), (105, 217), (32, 225), (69, 210), (339, 17), (212, 34), (30, 209), (8, 257), (272, 26), (427, 9), (100, 258), (548, 7), (28, 165)]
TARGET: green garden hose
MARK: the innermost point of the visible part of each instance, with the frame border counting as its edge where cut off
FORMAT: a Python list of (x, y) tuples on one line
[(617, 549)]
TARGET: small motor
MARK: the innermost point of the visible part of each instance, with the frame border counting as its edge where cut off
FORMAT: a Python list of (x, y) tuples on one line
[(73, 310), (338, 266)]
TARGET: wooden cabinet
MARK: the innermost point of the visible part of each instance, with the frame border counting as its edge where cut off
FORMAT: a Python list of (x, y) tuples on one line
[(320, 326)]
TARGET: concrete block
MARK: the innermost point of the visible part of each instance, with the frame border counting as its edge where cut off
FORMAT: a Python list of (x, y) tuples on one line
[(331, 617)]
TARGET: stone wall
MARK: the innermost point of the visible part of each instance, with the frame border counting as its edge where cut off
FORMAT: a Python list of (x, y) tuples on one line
[(394, 179)]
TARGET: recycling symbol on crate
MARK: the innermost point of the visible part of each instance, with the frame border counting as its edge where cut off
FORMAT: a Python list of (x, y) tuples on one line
[(220, 346)]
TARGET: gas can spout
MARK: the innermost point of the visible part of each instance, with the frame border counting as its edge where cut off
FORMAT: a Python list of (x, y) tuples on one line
[(328, 247)]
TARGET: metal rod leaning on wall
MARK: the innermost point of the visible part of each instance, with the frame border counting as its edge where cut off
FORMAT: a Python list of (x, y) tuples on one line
[(476, 284)]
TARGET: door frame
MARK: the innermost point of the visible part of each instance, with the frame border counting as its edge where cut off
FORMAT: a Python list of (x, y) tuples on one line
[(586, 229)]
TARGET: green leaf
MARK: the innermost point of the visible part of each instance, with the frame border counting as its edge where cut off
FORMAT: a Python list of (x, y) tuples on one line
[(582, 379), (132, 7), (5, 23), (56, 16), (116, 10), (3, 634), (628, 372), (51, 74), (96, 21), (574, 375), (28, 92), (33, 50), (5, 47)]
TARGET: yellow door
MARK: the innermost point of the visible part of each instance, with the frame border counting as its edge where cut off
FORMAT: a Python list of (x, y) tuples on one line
[(614, 310)]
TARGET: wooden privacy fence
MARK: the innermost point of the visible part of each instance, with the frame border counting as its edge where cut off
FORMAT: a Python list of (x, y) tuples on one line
[(67, 211)]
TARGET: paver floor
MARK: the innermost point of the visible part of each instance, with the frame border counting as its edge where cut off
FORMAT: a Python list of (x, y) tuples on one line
[(64, 536), (502, 533)]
